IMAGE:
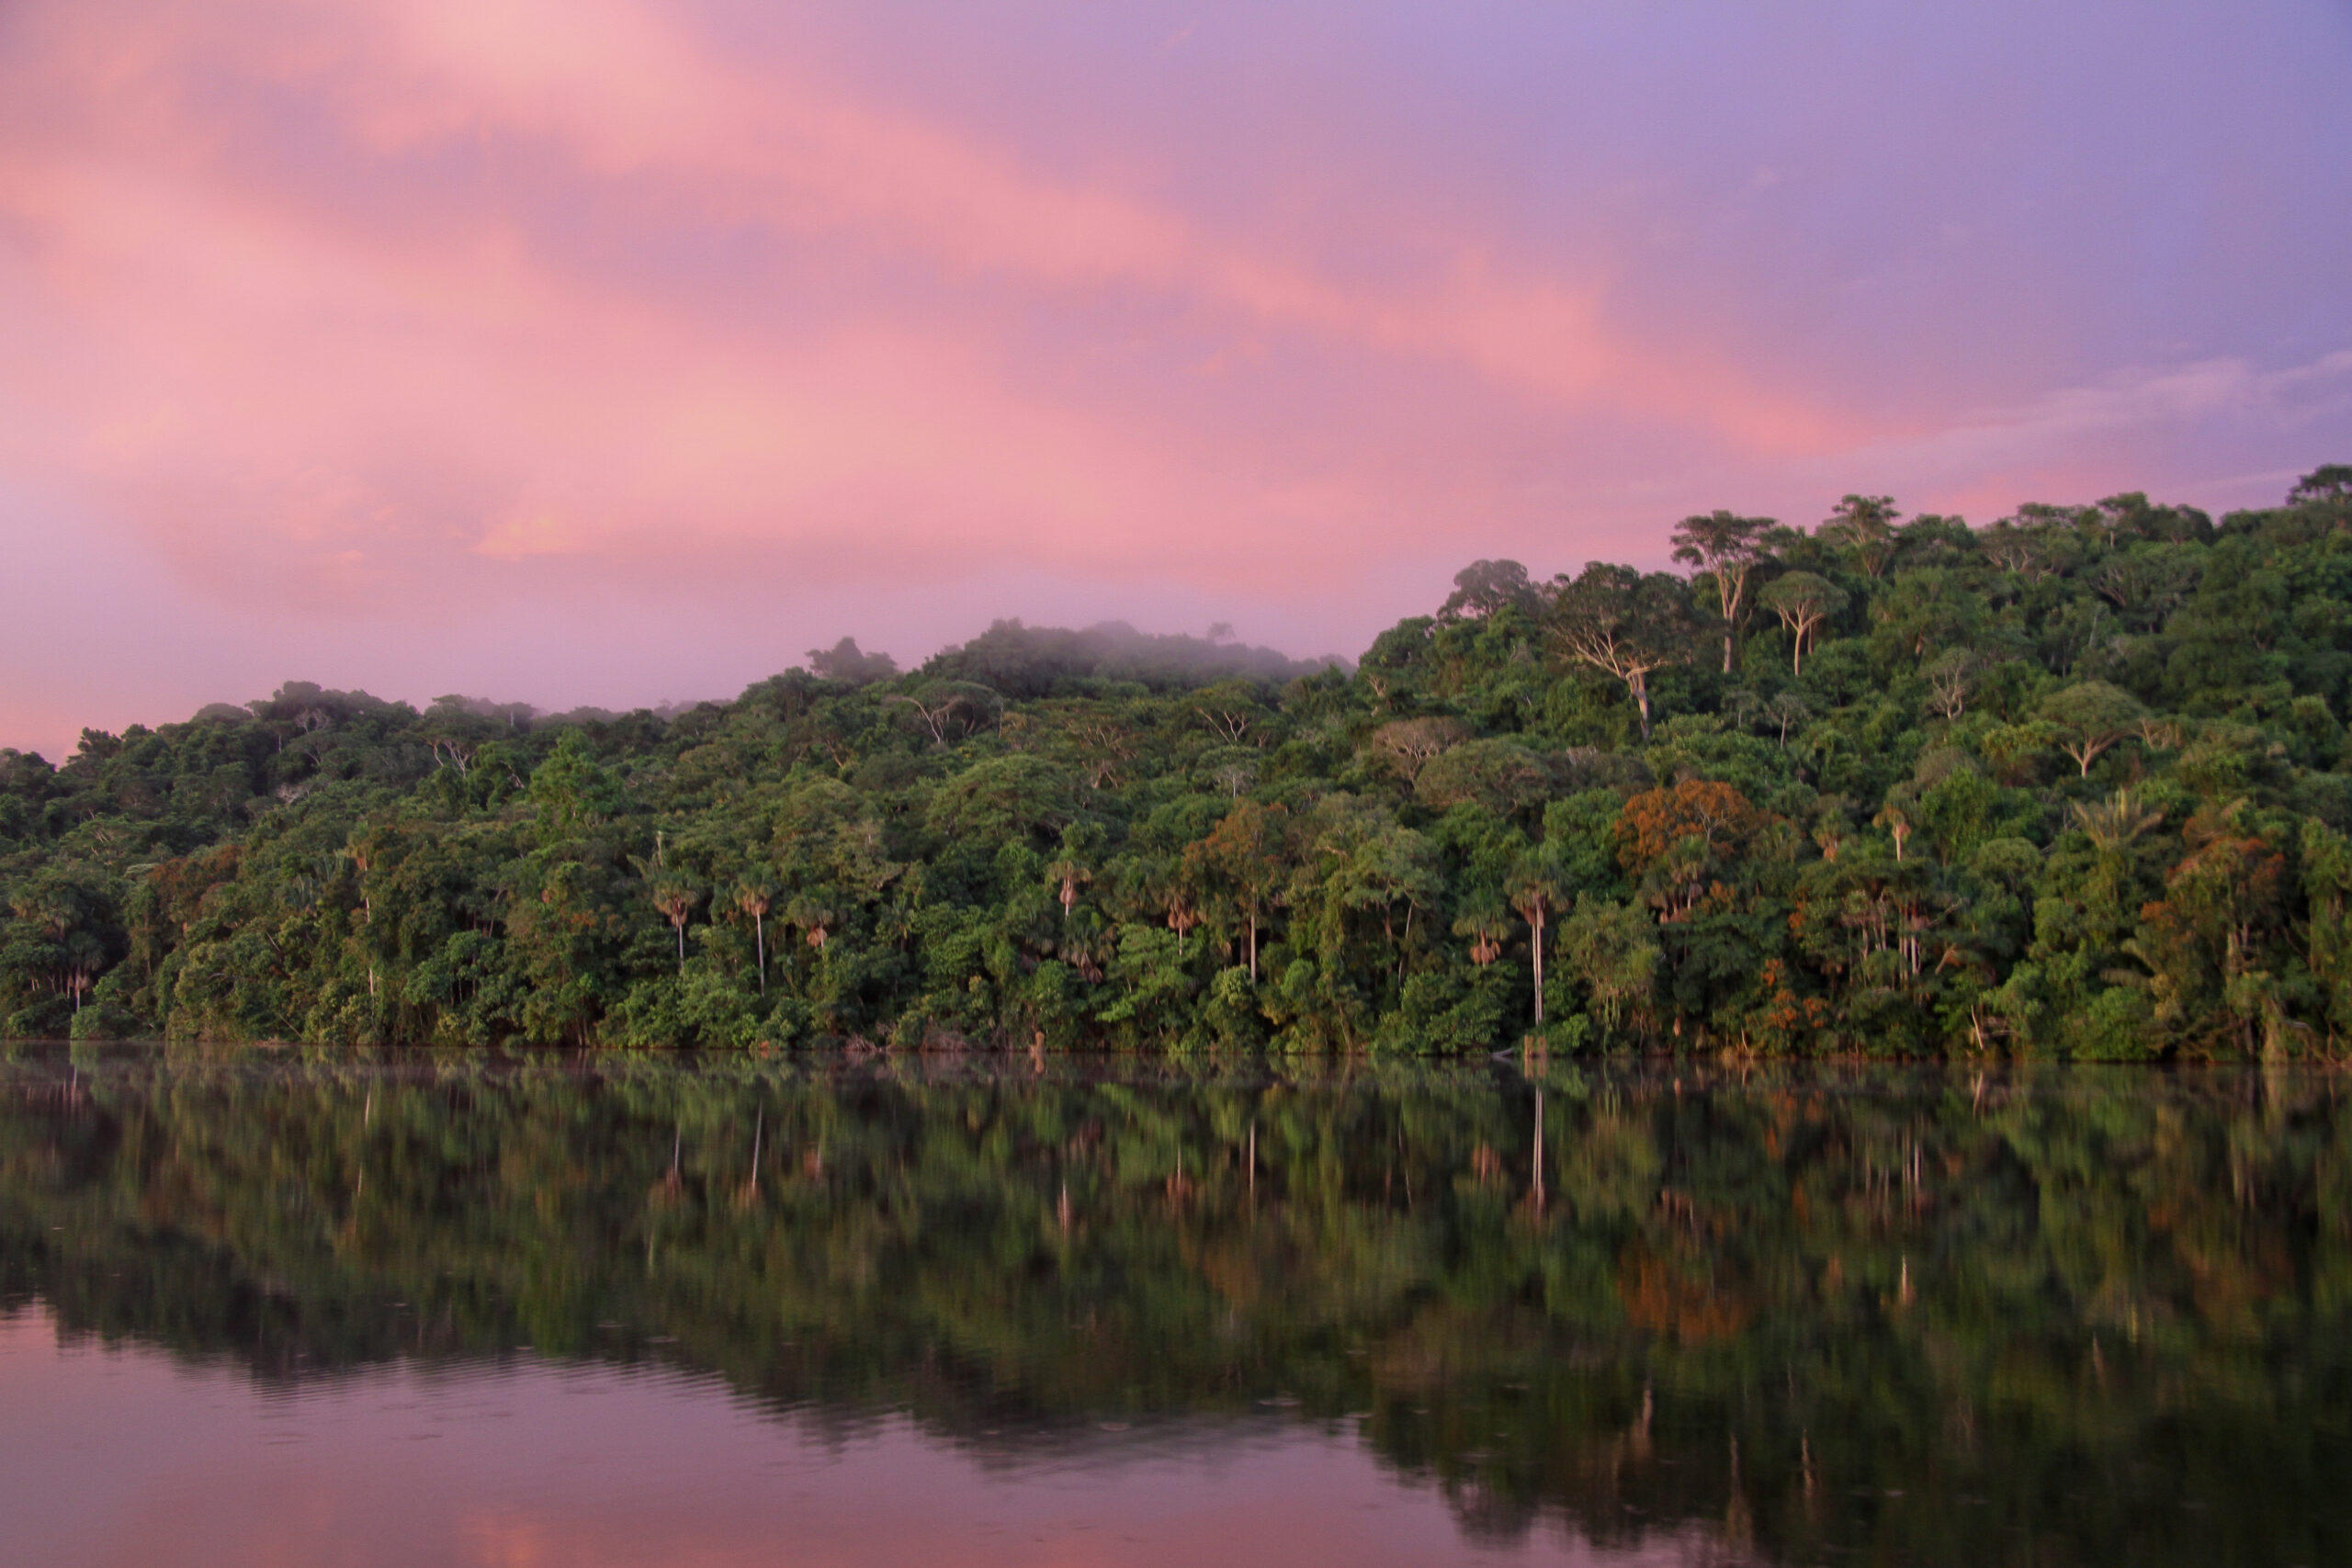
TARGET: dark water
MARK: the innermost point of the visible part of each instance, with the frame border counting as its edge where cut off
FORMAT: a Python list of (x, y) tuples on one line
[(308, 1308)]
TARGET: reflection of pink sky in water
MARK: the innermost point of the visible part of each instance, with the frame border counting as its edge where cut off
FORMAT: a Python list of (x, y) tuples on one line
[(125, 1455)]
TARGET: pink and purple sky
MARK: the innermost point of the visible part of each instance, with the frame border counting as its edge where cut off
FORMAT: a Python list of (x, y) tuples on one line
[(598, 351)]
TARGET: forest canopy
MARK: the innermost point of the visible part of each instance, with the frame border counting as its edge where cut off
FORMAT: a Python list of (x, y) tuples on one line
[(2071, 783)]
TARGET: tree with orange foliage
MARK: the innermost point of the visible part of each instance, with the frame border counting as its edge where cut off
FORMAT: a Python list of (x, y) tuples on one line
[(1682, 834)]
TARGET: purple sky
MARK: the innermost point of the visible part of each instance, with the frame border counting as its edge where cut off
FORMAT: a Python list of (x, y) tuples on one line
[(582, 351)]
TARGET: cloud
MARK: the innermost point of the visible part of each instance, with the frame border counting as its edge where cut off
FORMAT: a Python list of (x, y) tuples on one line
[(252, 337), (421, 315), (1987, 454)]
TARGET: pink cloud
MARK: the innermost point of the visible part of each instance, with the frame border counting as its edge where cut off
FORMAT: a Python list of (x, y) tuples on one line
[(416, 310)]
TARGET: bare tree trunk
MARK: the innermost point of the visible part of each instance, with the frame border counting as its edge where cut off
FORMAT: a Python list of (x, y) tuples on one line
[(1539, 1149), (1253, 947), (760, 926), (1536, 921)]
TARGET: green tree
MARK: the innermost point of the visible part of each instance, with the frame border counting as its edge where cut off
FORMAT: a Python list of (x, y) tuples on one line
[(1803, 601), (1623, 623), (1863, 526), (1726, 548), (1612, 950), (2090, 717), (1246, 852)]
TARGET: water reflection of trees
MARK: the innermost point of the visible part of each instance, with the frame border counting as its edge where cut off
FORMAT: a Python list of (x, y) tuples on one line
[(2046, 1318)]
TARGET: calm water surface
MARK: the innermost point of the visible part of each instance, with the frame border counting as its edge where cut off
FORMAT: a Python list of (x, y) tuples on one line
[(264, 1308)]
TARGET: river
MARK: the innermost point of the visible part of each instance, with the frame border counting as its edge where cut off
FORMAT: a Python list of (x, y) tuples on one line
[(296, 1306)]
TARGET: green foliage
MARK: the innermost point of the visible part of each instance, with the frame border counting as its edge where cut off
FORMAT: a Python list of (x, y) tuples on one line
[(2076, 783)]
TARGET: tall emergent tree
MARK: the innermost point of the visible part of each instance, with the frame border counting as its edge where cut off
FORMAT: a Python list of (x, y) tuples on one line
[(1803, 599), (1725, 548), (1864, 527), (1626, 623)]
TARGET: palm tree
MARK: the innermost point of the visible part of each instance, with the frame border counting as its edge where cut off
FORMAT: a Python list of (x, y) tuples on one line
[(1486, 925), (755, 896), (815, 918), (676, 898), (1074, 869), (2111, 825), (84, 957), (1535, 891), (1068, 875)]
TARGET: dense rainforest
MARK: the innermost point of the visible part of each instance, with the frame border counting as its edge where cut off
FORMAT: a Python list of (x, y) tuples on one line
[(2072, 783)]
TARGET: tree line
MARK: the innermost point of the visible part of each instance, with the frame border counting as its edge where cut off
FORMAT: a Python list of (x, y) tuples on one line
[(2071, 783)]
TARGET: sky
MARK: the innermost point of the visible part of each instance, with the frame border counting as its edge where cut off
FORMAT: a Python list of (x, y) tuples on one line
[(614, 353)]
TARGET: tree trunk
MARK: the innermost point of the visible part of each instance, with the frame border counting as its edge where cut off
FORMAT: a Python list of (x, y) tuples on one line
[(1536, 921), (1726, 647), (1640, 684), (679, 927), (1538, 1161), (760, 926), (1253, 947)]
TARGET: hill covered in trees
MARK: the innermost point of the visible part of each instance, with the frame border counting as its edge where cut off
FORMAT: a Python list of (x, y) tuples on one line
[(2074, 783)]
